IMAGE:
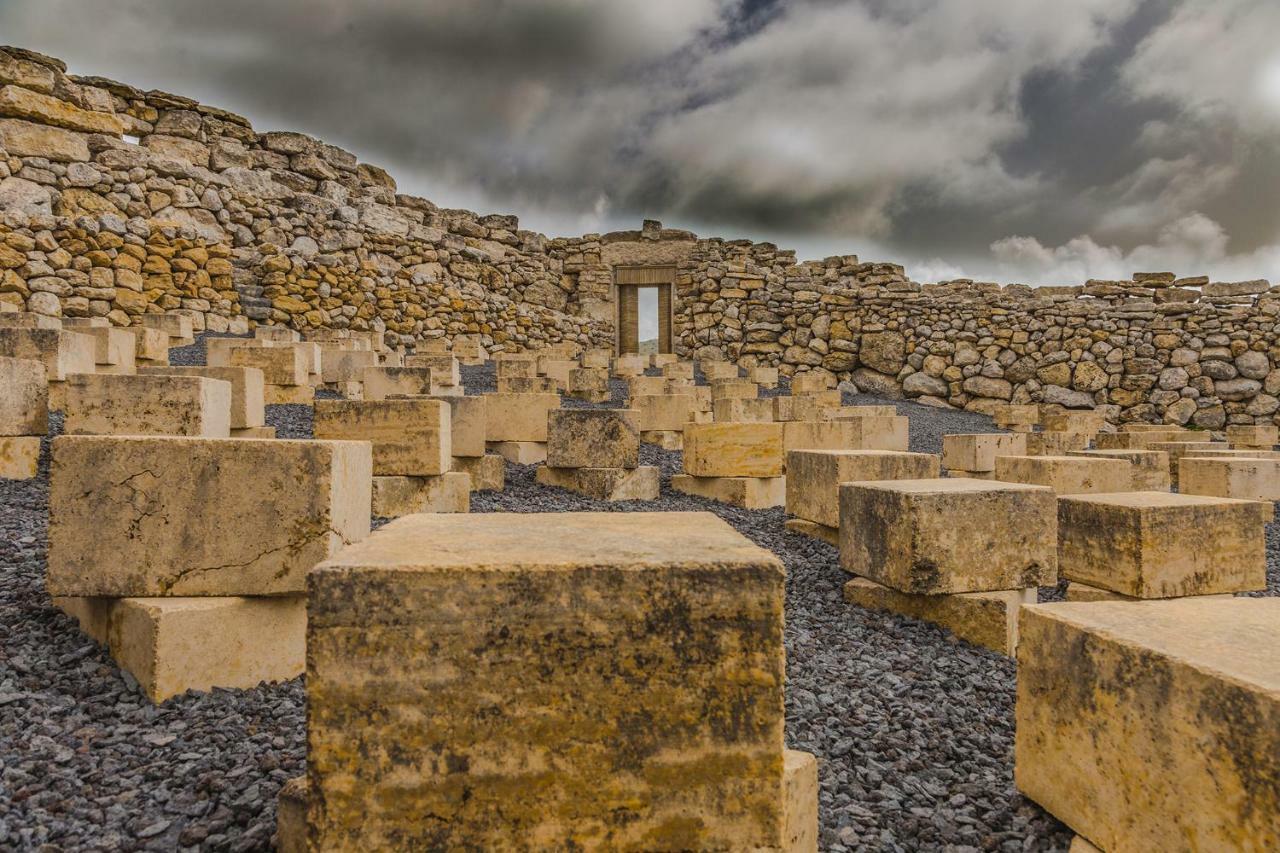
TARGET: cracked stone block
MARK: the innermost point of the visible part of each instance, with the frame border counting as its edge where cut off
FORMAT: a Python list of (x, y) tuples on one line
[(814, 477), (247, 395), (1162, 545), (1153, 725), (411, 438), (147, 404), (167, 516), (556, 630), (949, 535)]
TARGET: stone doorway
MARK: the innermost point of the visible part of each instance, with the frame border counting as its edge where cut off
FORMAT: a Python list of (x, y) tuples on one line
[(644, 308)]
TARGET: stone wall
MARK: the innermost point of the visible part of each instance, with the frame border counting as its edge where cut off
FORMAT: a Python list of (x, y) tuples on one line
[(116, 202)]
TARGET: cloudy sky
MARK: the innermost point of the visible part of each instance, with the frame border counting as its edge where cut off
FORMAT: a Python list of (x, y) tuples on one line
[(1044, 141)]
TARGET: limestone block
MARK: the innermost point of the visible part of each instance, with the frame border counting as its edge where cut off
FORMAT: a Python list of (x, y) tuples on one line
[(1231, 454), (19, 456), (663, 412), (856, 434), (1162, 545), (488, 472), (1007, 415), (527, 385), (24, 397), (593, 438), (1153, 725), (1253, 436), (662, 359), (516, 366), (746, 492), (278, 334), (949, 535), (604, 484), (814, 477), (467, 423), (590, 384), (1077, 591), (800, 810), (279, 365), (144, 404), (383, 382), (844, 413), (1087, 423), (152, 345), (576, 597), (344, 365), (821, 532), (596, 359), (27, 320), (806, 407), (28, 139), (1068, 475), (172, 645), (978, 452), (114, 349), (644, 386), (520, 452), (445, 372), (678, 370), (1150, 467), (765, 377), (198, 516), (288, 395), (811, 383), (986, 619), (177, 326), (714, 370), (734, 389), (518, 417), (397, 496), (557, 369), (1136, 440), (254, 432), (1055, 443), (61, 352), (291, 816), (739, 410), (1178, 449), (666, 439), (733, 450), (410, 437), (246, 390)]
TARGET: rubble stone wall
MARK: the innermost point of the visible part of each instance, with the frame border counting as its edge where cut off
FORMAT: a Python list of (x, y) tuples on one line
[(116, 202)]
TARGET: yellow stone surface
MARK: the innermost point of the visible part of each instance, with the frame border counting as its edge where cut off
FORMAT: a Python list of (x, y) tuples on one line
[(810, 383), (1017, 415), (1153, 725), (755, 410), (1230, 477), (19, 456), (520, 452), (164, 516), (978, 452), (146, 404), (172, 645), (814, 477), (513, 366), (806, 407), (410, 438), (288, 395), (604, 484), (291, 816), (383, 382), (589, 383), (746, 492), (61, 352), (24, 397), (669, 412), (152, 345), (246, 390), (177, 326), (1068, 475), (949, 535), (844, 413), (1088, 422), (1138, 439), (733, 450), (550, 636), (644, 386), (345, 365), (445, 372), (397, 496), (279, 365), (800, 775), (1161, 545), (114, 349), (1077, 591), (593, 438), (986, 619), (17, 102), (1055, 443), (1150, 467), (488, 472), (1179, 449), (765, 377), (678, 370), (856, 434), (518, 417), (1253, 436), (714, 370), (734, 389), (467, 420)]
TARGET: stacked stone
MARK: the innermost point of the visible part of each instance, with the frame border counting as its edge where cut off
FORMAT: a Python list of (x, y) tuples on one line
[(223, 604), (1150, 726), (1149, 468), (518, 374), (147, 404), (24, 335), (468, 425), (735, 463), (344, 357), (1063, 432), (412, 452), (115, 350), (516, 425), (707, 770), (814, 478), (596, 452), (24, 416), (962, 553), (248, 414), (974, 455), (1068, 475), (1140, 545)]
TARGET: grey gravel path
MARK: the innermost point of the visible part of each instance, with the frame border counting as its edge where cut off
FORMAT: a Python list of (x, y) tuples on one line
[(913, 728)]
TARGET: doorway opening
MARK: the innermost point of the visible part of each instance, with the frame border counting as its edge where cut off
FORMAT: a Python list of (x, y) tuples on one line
[(644, 309)]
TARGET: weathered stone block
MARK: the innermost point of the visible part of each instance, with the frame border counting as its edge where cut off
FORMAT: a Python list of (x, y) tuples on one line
[(604, 484), (279, 365), (1153, 725), (246, 390), (410, 437), (949, 535), (590, 384), (1150, 467), (518, 417), (746, 492), (19, 456), (114, 349), (814, 477), (383, 382), (593, 438), (733, 450), (806, 407), (151, 346), (1068, 475), (345, 365), (445, 372), (1161, 545), (520, 452), (488, 471), (1055, 443), (111, 404), (253, 516), (743, 410), (643, 386), (986, 619), (733, 389), (978, 452), (172, 645), (288, 395), (516, 367), (663, 412), (396, 496), (1253, 436), (811, 382), (856, 434), (714, 370), (24, 397), (527, 385), (177, 326), (704, 771), (468, 417), (62, 353), (1247, 479), (800, 774), (1008, 415)]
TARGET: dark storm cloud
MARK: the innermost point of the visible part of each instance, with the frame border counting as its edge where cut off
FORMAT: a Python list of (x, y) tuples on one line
[(1033, 139)]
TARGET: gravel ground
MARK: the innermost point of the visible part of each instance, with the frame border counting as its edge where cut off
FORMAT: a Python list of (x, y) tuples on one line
[(913, 728)]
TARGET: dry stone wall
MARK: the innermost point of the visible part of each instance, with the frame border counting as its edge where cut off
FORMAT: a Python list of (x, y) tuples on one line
[(116, 202)]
